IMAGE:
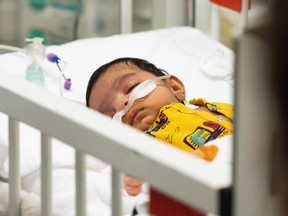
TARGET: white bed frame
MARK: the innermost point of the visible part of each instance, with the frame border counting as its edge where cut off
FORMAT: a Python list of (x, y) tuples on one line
[(40, 109)]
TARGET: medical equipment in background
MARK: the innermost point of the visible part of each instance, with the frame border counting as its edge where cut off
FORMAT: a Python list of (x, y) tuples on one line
[(55, 21), (61, 21), (34, 72), (36, 51)]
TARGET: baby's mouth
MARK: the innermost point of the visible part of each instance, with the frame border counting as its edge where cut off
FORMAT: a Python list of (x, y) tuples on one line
[(132, 115)]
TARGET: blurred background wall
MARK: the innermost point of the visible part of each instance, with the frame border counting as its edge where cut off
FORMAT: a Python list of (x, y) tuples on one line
[(60, 21)]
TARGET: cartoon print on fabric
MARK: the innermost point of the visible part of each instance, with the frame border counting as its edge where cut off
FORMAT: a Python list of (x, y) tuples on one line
[(190, 129), (202, 135), (212, 107), (163, 119)]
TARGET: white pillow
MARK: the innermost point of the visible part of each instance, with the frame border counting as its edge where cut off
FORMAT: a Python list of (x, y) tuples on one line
[(183, 51)]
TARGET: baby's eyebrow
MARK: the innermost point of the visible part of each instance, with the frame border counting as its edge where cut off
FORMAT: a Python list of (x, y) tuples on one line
[(115, 84), (122, 78)]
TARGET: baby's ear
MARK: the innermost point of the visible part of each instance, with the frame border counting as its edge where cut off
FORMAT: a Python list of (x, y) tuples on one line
[(177, 87)]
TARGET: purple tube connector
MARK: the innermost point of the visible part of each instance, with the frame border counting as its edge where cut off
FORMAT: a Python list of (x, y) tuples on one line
[(53, 58), (67, 84)]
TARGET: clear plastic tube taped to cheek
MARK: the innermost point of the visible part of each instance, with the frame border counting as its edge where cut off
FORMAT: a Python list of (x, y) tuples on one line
[(140, 91)]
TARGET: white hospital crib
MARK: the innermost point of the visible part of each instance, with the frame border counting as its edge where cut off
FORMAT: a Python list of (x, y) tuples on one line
[(59, 119)]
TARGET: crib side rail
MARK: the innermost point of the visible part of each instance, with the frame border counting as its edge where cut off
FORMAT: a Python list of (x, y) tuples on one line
[(90, 133)]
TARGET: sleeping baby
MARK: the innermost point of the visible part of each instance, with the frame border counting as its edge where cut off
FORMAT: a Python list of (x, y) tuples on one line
[(135, 92)]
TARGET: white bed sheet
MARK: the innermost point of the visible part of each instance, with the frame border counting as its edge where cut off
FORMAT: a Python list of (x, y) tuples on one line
[(204, 65)]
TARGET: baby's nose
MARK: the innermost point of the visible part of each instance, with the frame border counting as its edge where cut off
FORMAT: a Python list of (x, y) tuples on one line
[(122, 102)]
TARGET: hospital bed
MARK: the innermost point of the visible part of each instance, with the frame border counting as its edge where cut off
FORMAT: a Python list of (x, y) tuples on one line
[(50, 131)]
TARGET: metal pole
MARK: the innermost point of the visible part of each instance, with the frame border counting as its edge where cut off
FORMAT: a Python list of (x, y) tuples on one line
[(126, 16), (191, 12)]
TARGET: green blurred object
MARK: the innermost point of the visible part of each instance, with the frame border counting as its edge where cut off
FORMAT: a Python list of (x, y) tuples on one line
[(38, 4), (49, 38), (36, 32), (72, 6)]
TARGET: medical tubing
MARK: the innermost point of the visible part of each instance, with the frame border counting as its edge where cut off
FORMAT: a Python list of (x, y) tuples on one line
[(34, 72), (137, 93), (140, 91), (55, 59), (9, 48)]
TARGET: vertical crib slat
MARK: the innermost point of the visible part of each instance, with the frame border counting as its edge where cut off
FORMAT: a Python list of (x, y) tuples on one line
[(14, 169), (126, 16), (191, 12), (46, 175), (80, 184), (215, 22), (243, 23), (116, 192)]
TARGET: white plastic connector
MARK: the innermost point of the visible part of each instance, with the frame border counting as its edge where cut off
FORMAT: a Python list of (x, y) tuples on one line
[(35, 40), (36, 49)]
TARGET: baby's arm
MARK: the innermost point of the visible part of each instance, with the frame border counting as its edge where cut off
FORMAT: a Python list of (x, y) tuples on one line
[(132, 185)]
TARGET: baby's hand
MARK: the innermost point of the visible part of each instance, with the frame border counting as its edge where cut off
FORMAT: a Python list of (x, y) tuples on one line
[(132, 185)]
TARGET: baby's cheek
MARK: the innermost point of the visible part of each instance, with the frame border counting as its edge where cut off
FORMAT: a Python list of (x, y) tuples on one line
[(147, 122)]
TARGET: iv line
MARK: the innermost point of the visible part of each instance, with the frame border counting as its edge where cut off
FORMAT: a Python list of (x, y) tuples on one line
[(9, 48)]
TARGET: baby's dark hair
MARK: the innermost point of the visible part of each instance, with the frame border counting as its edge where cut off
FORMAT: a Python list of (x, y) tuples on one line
[(140, 63)]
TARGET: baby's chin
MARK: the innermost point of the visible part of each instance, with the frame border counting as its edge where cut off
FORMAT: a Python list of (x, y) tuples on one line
[(141, 126)]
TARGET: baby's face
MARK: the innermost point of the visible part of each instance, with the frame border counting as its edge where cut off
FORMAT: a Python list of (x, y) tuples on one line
[(111, 93)]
